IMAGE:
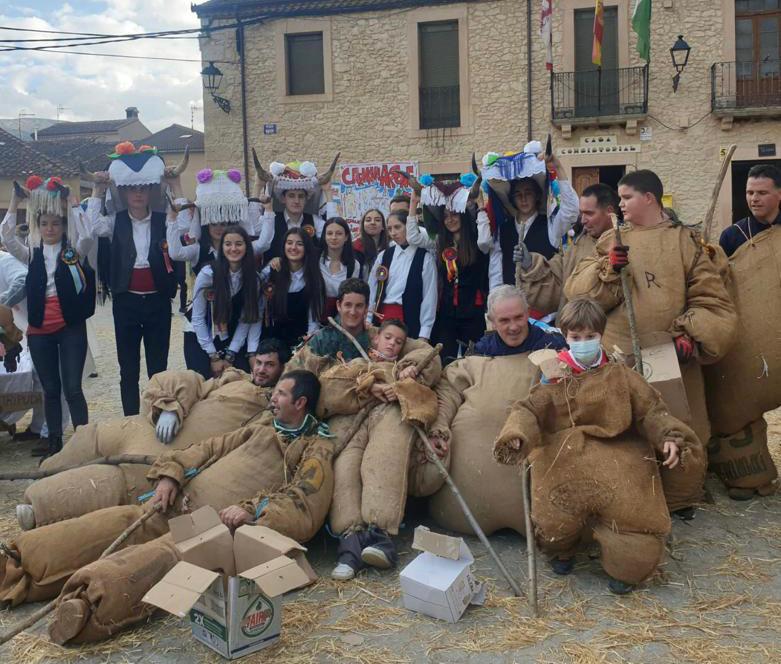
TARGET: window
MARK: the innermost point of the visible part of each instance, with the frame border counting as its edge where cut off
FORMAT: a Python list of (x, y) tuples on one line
[(304, 62), (439, 90), (596, 92), (758, 51)]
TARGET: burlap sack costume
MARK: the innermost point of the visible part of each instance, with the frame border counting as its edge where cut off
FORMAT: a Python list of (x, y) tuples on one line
[(205, 408), (543, 283), (592, 442), (371, 471), (746, 382), (475, 395), (10, 335), (290, 480), (676, 288)]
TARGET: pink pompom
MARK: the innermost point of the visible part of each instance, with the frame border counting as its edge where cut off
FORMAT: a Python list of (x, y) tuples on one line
[(205, 175), (234, 175)]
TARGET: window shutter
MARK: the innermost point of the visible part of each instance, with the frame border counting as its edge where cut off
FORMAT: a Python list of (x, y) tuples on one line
[(440, 104), (304, 54)]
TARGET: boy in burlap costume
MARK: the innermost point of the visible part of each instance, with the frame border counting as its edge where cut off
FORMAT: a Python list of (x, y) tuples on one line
[(474, 397), (206, 408), (278, 475), (542, 279), (591, 433), (746, 382), (676, 288), (370, 473)]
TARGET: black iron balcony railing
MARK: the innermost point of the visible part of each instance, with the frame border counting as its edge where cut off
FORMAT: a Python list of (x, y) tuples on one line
[(440, 107), (746, 85), (599, 93)]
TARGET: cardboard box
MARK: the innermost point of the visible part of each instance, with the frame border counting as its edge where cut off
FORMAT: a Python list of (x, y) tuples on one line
[(439, 582), (662, 370), (230, 586)]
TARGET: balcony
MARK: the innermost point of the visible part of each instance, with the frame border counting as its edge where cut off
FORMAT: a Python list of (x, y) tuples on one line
[(746, 89), (600, 96), (440, 107)]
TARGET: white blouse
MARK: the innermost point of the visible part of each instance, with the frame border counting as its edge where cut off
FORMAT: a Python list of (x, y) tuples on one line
[(334, 279)]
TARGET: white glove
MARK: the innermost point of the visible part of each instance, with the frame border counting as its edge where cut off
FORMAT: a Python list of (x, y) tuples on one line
[(167, 426), (522, 255)]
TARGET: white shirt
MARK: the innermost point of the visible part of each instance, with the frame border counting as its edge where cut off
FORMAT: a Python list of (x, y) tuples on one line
[(249, 332), (13, 294), (397, 283), (334, 279), (418, 236), (103, 226), (331, 211), (297, 284)]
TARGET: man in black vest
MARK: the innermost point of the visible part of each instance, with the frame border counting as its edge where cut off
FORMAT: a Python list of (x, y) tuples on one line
[(142, 280)]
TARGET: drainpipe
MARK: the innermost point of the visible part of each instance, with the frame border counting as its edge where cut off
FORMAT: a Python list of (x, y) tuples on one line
[(528, 70), (243, 76)]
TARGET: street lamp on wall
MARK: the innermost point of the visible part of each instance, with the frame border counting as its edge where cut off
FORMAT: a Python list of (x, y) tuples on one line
[(212, 77), (680, 55)]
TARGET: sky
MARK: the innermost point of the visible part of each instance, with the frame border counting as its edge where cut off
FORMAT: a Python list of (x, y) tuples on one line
[(95, 88)]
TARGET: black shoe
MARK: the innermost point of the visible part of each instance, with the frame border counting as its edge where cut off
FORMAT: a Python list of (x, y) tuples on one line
[(562, 566), (23, 436), (684, 514), (41, 450), (619, 587), (55, 446)]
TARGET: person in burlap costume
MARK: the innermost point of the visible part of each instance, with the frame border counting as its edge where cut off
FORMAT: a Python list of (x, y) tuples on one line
[(746, 382), (592, 432), (278, 475), (474, 397), (542, 279), (186, 409), (676, 288)]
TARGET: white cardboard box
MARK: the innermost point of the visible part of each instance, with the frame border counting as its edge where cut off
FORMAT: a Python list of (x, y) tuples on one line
[(440, 582), (231, 587), (663, 371)]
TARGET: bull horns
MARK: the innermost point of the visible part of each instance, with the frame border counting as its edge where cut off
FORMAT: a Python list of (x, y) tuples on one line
[(262, 173), (412, 180), (325, 178), (20, 191), (176, 171), (89, 176), (475, 169)]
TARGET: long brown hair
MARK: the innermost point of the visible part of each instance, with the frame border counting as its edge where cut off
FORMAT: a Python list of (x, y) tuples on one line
[(222, 282), (314, 289), (466, 246), (370, 249)]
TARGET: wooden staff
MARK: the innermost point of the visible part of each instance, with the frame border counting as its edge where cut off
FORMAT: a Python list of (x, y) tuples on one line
[(707, 225), (531, 544), (45, 610), (626, 287), (100, 461), (443, 471)]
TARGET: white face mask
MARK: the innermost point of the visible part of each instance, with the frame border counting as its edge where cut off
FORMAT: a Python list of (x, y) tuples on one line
[(586, 352)]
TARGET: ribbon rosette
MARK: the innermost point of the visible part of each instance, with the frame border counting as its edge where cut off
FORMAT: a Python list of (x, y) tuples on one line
[(449, 256), (70, 257), (310, 230)]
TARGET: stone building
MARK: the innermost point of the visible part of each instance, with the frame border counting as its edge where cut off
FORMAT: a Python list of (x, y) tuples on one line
[(432, 81), (129, 128)]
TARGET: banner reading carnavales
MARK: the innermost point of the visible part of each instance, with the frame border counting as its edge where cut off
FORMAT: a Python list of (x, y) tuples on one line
[(371, 185)]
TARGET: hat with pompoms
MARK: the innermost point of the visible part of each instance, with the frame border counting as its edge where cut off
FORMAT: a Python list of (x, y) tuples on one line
[(131, 167), (452, 195), (294, 175), (219, 197)]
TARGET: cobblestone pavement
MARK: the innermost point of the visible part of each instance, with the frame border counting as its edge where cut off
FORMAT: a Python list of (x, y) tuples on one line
[(717, 599)]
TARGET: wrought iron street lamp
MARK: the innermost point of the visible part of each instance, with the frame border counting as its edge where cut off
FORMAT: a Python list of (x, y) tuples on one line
[(212, 77), (680, 55)]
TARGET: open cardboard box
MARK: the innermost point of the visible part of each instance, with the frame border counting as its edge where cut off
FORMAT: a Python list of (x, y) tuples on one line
[(230, 586), (440, 582), (663, 371)]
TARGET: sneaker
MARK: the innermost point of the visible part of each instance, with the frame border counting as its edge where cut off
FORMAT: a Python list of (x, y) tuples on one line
[(684, 514), (562, 566), (619, 587), (342, 572), (376, 557), (25, 516)]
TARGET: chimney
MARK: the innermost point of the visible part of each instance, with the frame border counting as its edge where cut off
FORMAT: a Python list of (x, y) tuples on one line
[(131, 112)]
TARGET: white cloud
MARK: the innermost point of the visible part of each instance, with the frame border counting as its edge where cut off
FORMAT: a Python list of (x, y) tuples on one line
[(95, 88)]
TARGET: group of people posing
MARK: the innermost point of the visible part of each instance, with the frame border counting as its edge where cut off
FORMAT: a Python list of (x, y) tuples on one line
[(288, 420)]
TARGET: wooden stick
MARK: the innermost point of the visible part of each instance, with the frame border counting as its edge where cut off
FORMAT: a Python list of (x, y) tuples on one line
[(626, 287), (116, 460), (354, 341), (707, 225), (467, 512), (531, 544), (44, 611)]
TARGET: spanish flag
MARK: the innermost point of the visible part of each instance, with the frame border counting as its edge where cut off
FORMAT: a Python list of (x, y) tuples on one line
[(599, 28)]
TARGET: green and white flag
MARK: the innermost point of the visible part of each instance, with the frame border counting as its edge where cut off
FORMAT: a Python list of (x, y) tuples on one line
[(641, 24)]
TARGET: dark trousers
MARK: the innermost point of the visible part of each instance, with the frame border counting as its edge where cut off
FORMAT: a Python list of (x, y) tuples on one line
[(196, 359), (449, 330), (59, 360), (138, 317), (180, 270)]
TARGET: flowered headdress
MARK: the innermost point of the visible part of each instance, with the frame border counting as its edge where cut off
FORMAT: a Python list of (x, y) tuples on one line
[(219, 197), (49, 196)]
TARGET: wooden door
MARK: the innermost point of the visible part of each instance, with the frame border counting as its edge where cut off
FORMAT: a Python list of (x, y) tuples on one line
[(584, 177)]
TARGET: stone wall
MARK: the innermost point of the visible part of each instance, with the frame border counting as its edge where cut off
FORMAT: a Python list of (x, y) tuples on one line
[(368, 117)]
